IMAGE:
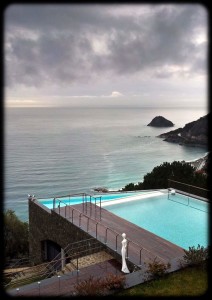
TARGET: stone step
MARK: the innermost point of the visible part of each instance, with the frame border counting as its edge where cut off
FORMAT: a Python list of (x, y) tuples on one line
[(85, 261), (92, 259)]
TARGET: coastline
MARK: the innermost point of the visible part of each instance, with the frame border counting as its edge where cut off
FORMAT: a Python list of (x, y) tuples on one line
[(199, 163), (99, 148)]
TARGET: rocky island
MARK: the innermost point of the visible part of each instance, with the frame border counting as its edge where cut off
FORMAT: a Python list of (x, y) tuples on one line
[(192, 134), (160, 121)]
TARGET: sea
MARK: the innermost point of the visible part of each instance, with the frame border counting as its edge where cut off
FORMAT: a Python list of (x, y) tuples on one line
[(56, 151)]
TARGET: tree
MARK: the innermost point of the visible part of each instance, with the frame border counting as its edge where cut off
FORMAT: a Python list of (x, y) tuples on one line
[(178, 171), (16, 242)]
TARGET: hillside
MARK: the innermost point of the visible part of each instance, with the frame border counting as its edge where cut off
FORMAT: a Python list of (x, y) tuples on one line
[(192, 134)]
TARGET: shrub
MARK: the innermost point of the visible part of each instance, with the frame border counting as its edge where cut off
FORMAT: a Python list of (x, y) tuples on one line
[(195, 256), (156, 269), (90, 286), (113, 282), (99, 286)]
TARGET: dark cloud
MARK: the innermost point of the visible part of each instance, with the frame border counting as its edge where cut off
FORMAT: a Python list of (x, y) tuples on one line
[(55, 44), (166, 40)]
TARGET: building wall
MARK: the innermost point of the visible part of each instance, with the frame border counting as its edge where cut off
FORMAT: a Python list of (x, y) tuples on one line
[(45, 224)]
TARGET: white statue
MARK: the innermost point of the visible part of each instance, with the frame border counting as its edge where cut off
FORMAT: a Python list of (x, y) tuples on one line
[(123, 253)]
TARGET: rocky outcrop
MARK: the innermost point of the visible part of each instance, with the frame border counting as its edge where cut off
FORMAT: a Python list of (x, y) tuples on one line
[(160, 121), (101, 189), (192, 134)]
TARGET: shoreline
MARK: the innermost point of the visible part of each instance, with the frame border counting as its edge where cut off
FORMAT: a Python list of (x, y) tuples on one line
[(202, 157), (199, 163)]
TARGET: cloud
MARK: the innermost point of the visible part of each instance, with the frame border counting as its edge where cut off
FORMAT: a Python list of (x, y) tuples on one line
[(116, 94), (79, 49)]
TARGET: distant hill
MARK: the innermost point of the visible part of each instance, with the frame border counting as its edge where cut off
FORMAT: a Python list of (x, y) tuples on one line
[(192, 134)]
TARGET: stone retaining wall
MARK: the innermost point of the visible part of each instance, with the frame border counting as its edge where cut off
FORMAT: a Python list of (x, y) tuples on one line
[(45, 224)]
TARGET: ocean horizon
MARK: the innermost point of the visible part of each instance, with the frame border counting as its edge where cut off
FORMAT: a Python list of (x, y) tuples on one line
[(55, 151)]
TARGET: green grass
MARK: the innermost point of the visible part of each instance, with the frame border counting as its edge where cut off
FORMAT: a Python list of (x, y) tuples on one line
[(190, 281)]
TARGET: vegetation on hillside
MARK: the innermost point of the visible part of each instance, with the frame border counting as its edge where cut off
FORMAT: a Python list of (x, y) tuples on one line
[(178, 171), (16, 232)]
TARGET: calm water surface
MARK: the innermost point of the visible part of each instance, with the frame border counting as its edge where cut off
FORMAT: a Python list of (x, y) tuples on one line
[(182, 224), (58, 151)]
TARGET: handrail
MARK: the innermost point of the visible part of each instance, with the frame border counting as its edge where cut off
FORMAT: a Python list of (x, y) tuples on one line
[(60, 201), (96, 228), (67, 249), (46, 270), (88, 218), (10, 264), (188, 195), (70, 195), (114, 231), (190, 190), (116, 241), (108, 228), (80, 214), (179, 201), (84, 202), (106, 236), (29, 270), (92, 196), (188, 185)]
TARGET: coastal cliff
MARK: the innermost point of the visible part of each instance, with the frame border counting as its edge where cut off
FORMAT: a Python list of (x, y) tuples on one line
[(192, 134)]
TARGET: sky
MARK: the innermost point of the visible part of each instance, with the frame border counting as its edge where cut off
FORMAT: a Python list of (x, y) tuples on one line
[(105, 55)]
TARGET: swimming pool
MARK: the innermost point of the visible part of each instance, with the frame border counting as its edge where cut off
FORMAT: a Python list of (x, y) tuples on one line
[(76, 199), (180, 220)]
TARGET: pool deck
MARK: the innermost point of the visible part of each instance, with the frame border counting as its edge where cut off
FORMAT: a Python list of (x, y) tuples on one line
[(143, 245)]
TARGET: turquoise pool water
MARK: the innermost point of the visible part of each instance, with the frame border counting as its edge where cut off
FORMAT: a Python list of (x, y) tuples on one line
[(176, 221), (181, 220), (67, 200)]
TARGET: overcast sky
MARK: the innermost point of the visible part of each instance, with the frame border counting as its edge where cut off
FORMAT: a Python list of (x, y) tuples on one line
[(132, 54)]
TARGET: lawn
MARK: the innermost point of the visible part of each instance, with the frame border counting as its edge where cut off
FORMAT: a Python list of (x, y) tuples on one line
[(190, 281)]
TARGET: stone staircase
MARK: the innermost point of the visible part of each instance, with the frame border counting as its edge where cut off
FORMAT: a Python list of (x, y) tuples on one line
[(39, 272), (86, 261), (21, 276)]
